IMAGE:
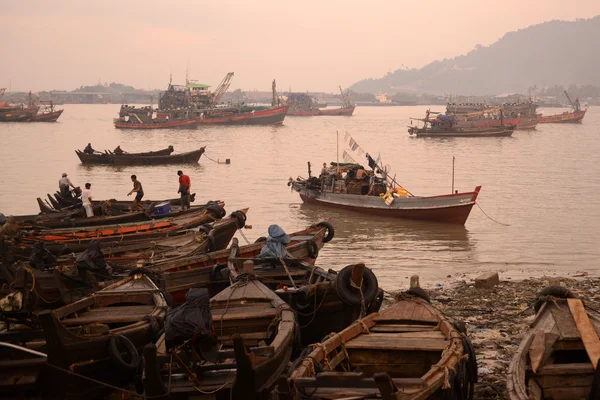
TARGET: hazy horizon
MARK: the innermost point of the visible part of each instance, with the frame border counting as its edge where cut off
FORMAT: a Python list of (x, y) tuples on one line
[(312, 46)]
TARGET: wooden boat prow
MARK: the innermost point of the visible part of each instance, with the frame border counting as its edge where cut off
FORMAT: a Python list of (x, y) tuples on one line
[(403, 352), (558, 356)]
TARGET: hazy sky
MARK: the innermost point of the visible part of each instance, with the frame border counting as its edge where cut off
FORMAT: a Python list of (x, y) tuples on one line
[(306, 45)]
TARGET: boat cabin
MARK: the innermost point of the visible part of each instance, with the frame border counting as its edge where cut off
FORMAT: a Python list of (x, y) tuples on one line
[(350, 178)]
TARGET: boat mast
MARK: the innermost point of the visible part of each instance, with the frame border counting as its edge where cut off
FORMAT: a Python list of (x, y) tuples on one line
[(337, 150), (568, 98)]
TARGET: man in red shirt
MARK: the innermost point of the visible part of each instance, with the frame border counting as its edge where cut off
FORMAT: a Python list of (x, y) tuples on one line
[(184, 188)]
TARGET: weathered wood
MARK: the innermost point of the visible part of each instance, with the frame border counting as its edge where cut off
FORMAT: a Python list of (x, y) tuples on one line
[(572, 393), (535, 392), (589, 337), (540, 348), (357, 274), (567, 369), (557, 381), (564, 322), (402, 328), (390, 342)]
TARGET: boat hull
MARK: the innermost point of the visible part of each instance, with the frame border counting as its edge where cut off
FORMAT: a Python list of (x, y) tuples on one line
[(564, 118), (191, 157), (47, 117), (481, 133), (273, 116), (185, 124), (453, 208), (344, 111), (519, 123)]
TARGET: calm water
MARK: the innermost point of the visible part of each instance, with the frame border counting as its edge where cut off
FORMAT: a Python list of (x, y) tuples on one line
[(544, 184)]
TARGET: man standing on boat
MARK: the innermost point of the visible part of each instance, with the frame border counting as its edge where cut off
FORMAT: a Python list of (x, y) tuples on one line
[(63, 185), (137, 188), (86, 199), (185, 185)]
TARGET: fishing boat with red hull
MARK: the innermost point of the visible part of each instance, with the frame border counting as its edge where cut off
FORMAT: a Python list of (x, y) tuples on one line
[(269, 116), (568, 117), (46, 113), (521, 115), (360, 195)]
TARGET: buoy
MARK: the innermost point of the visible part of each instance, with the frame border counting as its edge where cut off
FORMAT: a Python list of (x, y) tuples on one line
[(227, 161)]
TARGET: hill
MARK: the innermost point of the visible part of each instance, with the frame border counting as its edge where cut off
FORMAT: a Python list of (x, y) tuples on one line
[(552, 53)]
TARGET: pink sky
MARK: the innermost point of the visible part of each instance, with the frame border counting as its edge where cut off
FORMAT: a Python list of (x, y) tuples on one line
[(307, 45)]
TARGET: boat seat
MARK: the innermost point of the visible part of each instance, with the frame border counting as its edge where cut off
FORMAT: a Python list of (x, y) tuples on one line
[(394, 342), (567, 369), (350, 380), (108, 315)]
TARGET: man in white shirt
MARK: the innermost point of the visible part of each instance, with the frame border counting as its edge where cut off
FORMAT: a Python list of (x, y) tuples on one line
[(86, 198), (63, 185)]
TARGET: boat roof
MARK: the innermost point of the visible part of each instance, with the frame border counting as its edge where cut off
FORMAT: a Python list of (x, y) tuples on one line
[(197, 86)]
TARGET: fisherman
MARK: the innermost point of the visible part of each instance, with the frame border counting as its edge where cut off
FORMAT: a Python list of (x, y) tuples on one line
[(137, 188), (118, 151), (86, 199), (88, 149), (577, 105), (185, 185), (10, 229), (63, 185), (324, 170)]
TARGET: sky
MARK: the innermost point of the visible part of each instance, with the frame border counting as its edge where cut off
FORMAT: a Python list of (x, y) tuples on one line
[(308, 45)]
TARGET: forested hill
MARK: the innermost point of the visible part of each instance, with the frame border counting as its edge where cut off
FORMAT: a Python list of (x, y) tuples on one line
[(552, 53)]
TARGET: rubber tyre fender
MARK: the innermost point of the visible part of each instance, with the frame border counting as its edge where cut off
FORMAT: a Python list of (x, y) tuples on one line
[(303, 302), (261, 239), (241, 217), (313, 249), (206, 228), (168, 298), (419, 292), (555, 291), (375, 305), (348, 294), (139, 373), (217, 210), (115, 354), (216, 275), (330, 230)]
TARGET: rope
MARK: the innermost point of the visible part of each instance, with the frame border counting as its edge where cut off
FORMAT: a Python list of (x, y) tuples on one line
[(316, 308), (213, 391), (244, 236), (363, 307), (492, 219), (35, 291), (216, 162)]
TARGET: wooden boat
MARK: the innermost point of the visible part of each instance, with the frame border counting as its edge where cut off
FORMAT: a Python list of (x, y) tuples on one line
[(99, 157), (21, 371), (558, 356), (15, 114), (90, 336), (408, 351), (270, 116), (343, 111), (131, 117), (190, 157), (204, 271), (353, 196), (47, 113), (568, 117), (449, 126), (62, 241), (254, 329)]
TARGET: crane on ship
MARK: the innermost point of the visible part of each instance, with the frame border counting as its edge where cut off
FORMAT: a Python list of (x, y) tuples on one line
[(221, 89), (345, 98)]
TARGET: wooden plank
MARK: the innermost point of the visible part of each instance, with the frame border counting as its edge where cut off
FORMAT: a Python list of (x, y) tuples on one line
[(540, 348), (386, 357), (589, 337), (566, 324), (401, 328), (535, 392), (351, 380), (393, 343), (557, 381), (110, 315), (567, 369), (567, 393)]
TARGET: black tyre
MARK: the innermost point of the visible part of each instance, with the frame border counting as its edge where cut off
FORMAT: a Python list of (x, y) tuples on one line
[(350, 294), (217, 210), (168, 297), (419, 292), (313, 249), (241, 217), (153, 324), (114, 344), (330, 231), (206, 228)]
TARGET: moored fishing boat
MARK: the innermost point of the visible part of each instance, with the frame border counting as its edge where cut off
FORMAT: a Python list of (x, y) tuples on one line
[(108, 157), (403, 352), (558, 357), (303, 105), (270, 116), (131, 117), (447, 126), (373, 197), (47, 113), (568, 117), (244, 340), (521, 115)]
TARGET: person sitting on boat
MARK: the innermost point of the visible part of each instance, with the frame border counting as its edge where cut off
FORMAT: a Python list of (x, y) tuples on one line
[(118, 151), (63, 185), (275, 245), (137, 188), (88, 149), (324, 170)]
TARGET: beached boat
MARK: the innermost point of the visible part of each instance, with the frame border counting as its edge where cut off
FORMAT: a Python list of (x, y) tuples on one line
[(446, 126), (108, 157), (360, 195), (558, 356), (253, 334), (408, 351), (90, 336)]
